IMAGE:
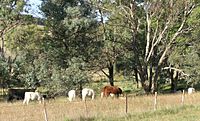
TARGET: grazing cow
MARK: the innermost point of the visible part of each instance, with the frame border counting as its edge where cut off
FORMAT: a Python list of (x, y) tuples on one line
[(17, 94), (87, 92), (191, 90), (110, 91), (32, 96), (71, 95)]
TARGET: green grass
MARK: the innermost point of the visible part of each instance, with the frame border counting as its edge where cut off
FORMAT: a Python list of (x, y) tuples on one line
[(183, 113)]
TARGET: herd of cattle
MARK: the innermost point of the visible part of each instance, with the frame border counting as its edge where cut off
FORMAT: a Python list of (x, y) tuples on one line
[(32, 94)]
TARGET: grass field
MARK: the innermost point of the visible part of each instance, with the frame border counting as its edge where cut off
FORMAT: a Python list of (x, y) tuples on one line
[(140, 108)]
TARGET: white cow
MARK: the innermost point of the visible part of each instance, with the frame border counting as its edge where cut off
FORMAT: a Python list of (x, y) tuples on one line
[(191, 90), (32, 96), (87, 92), (71, 95)]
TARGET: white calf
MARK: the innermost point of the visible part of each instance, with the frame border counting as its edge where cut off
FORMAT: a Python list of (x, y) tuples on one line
[(31, 96), (87, 92), (71, 95), (191, 90)]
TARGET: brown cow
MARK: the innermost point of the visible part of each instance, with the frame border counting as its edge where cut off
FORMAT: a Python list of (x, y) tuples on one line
[(110, 90)]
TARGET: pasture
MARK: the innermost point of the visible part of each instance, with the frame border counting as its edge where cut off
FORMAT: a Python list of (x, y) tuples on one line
[(169, 108)]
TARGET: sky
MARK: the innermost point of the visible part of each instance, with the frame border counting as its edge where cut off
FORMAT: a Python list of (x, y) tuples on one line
[(34, 8)]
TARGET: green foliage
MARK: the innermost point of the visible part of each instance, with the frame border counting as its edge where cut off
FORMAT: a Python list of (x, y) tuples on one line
[(186, 55), (25, 45), (4, 74), (80, 35), (63, 80), (25, 39), (10, 71), (10, 8), (71, 25), (10, 15)]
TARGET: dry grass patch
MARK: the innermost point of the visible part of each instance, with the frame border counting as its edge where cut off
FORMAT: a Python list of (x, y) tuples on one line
[(62, 110)]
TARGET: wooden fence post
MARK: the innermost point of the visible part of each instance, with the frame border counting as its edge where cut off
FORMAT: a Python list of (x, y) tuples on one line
[(183, 97), (126, 103), (155, 101), (45, 111), (86, 109)]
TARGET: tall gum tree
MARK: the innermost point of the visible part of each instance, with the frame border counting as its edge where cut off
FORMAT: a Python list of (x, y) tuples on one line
[(184, 59), (154, 33), (10, 17), (107, 34)]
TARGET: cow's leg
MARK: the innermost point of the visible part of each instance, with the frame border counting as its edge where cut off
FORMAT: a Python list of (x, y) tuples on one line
[(102, 94), (106, 93), (69, 99), (73, 98), (24, 101), (27, 101), (39, 99), (112, 95), (83, 97), (93, 96)]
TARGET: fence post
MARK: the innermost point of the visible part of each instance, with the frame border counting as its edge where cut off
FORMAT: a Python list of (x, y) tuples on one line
[(45, 111), (155, 101), (86, 109), (126, 103), (183, 97)]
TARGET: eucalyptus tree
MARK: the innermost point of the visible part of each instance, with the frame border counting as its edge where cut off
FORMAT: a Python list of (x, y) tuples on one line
[(10, 17), (154, 27), (112, 32), (25, 46), (185, 57), (165, 22)]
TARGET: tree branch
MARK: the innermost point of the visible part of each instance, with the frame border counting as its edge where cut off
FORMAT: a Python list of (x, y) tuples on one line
[(178, 32), (179, 70), (105, 73)]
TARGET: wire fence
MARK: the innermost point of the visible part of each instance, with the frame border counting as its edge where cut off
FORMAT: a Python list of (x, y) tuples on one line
[(124, 105)]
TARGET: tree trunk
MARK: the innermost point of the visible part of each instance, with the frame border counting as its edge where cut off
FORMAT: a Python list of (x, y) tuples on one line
[(150, 78), (155, 79), (173, 83), (144, 80), (111, 74), (136, 77), (2, 45), (173, 80)]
